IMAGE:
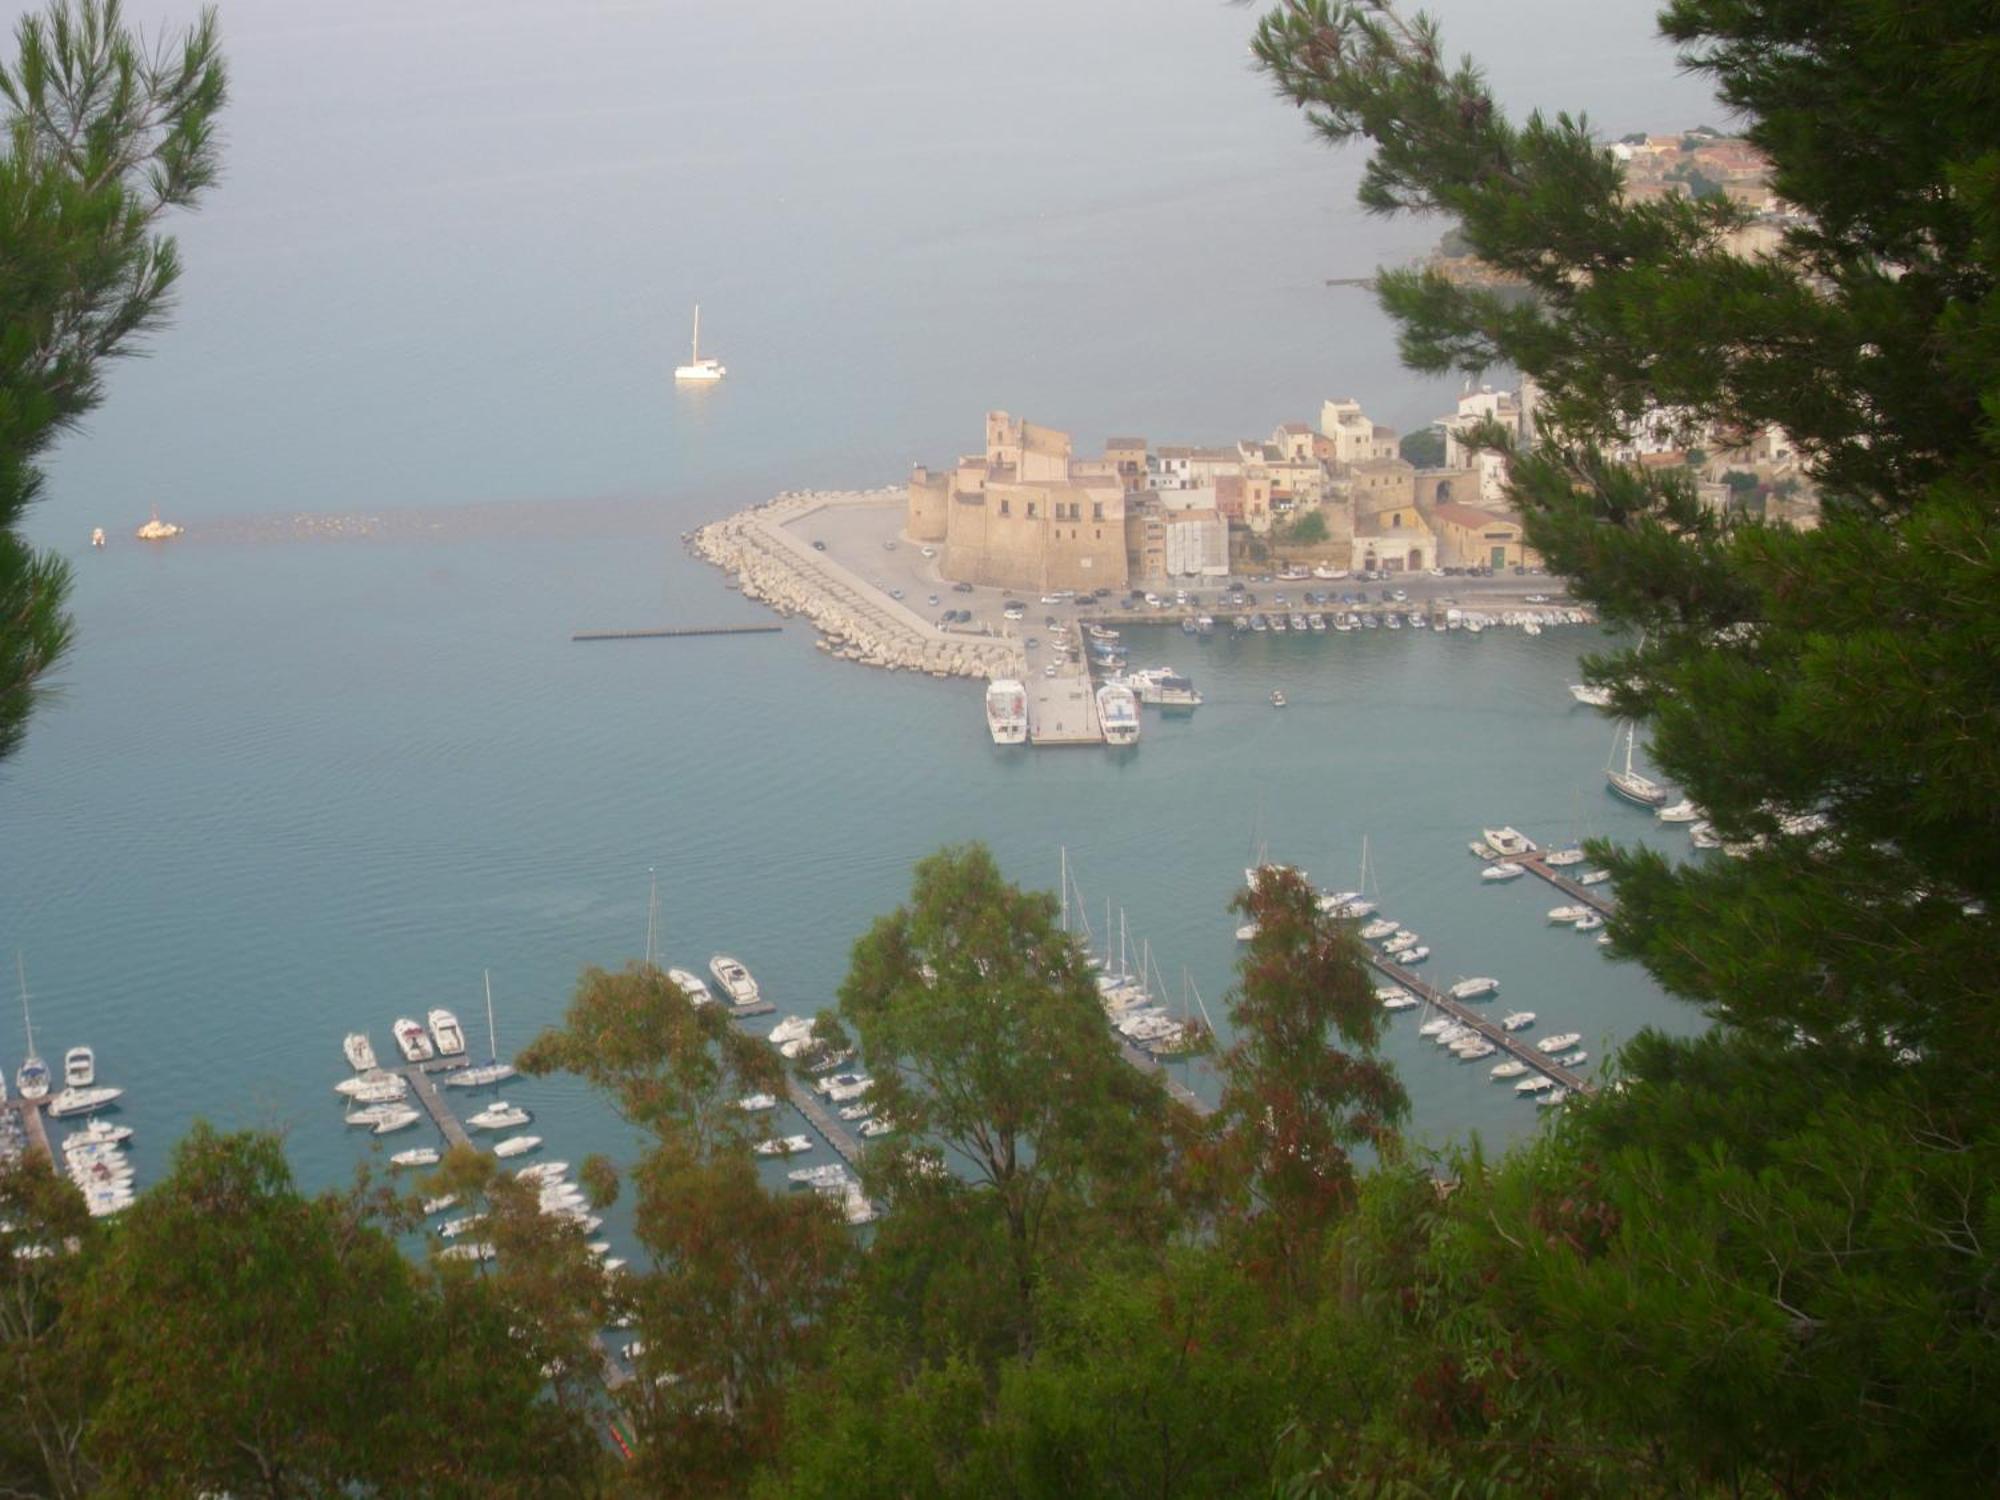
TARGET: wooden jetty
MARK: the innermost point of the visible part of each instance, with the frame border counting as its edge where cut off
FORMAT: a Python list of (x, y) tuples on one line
[(1177, 1091), (673, 632), (29, 1113), (1535, 862), (440, 1112), (1510, 1042)]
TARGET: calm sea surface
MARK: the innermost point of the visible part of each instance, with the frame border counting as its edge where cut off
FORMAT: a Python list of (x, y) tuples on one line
[(297, 786)]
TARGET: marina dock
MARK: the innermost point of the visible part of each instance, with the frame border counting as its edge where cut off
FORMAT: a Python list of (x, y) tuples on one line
[(1536, 864), (673, 632), (1062, 710), (29, 1114), (433, 1102), (1177, 1091), (836, 1135), (1510, 1042)]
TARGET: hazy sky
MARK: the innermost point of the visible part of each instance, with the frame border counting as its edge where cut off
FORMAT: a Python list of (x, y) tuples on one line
[(457, 241)]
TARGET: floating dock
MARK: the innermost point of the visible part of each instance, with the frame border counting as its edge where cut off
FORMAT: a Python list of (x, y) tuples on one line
[(29, 1113), (673, 632), (1177, 1091), (1536, 863), (1062, 710), (1510, 1042), (845, 1146), (433, 1102)]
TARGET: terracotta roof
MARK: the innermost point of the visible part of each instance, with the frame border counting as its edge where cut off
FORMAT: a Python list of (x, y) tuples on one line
[(1473, 517)]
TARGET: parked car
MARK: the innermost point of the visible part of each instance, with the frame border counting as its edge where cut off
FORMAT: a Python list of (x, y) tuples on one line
[(819, 546), (961, 588), (890, 545)]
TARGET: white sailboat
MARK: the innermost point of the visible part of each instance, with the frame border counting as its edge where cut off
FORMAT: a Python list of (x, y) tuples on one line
[(697, 368), (492, 1070), (1630, 784), (31, 1079)]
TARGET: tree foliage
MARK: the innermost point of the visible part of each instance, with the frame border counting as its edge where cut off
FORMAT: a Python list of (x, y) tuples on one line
[(103, 138)]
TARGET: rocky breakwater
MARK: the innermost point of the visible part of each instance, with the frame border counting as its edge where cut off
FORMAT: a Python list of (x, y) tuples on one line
[(855, 621)]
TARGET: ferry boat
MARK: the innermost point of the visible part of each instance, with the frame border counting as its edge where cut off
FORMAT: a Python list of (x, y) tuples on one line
[(450, 1036), (360, 1051), (413, 1039), (1630, 784), (1007, 711), (734, 979), (1118, 713), (697, 368)]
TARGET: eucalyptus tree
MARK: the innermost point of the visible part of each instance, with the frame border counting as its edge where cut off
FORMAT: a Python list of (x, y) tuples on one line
[(979, 1020), (732, 1299), (104, 137)]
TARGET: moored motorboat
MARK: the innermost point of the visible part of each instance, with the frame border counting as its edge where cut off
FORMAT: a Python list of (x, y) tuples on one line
[(1512, 1068), (1519, 1020), (543, 1171), (1118, 714), (517, 1145), (1590, 696), (1507, 840), (446, 1032), (1562, 858), (693, 986), (1683, 811), (1414, 955), (788, 1145), (734, 979), (499, 1115), (373, 1088), (1535, 1085), (1007, 711), (1562, 1041), (1590, 921), (881, 1125), (360, 1051), (1475, 989), (754, 1104), (418, 1156), (1505, 870), (1593, 877), (71, 1102), (79, 1068), (414, 1041)]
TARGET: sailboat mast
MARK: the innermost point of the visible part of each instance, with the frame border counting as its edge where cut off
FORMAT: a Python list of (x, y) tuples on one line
[(696, 357), (28, 1021), (1064, 884), (652, 913), (492, 1042)]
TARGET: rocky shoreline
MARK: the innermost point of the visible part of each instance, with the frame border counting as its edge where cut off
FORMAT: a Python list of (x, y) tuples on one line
[(855, 623)]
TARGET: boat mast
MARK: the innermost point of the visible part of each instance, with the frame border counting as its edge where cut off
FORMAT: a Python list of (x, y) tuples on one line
[(652, 912), (28, 1021), (1064, 887), (696, 356), (492, 1042)]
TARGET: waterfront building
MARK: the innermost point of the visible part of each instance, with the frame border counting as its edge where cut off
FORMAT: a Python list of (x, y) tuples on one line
[(1354, 437), (1469, 537)]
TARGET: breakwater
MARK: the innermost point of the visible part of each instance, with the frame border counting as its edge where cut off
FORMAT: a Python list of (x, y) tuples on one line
[(763, 552)]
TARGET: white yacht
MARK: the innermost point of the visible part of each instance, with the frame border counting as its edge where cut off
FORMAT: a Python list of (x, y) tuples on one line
[(1535, 1085), (360, 1051), (734, 979), (1683, 811), (1434, 1025), (479, 1075), (1590, 921), (1509, 840), (1381, 927), (98, 1133), (691, 985), (82, 1101), (439, 1205), (1561, 858), (1562, 916), (1007, 711), (1512, 1068), (371, 1115), (1575, 1060), (32, 1078), (1562, 1041), (517, 1145), (830, 1174), (789, 1145), (1505, 870), (373, 1088), (1593, 877), (1400, 939), (1118, 713), (1475, 989), (1519, 1020), (1247, 933), (879, 1126), (480, 1251), (1554, 1099), (446, 1031), (413, 1039), (697, 368), (791, 1029), (852, 1112), (79, 1068), (420, 1156), (757, 1104), (1414, 955), (1589, 696), (1630, 784), (1704, 836), (1400, 1000), (499, 1115), (543, 1172)]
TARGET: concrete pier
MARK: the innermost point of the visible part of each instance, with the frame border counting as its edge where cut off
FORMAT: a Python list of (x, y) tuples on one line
[(29, 1113), (1062, 710), (683, 630)]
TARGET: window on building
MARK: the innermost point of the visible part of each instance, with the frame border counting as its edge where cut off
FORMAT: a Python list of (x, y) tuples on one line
[(1004, 508), (1097, 510), (1031, 510), (1395, 520)]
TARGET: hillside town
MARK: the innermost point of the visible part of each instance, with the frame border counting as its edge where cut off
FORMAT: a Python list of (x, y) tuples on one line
[(1028, 512)]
